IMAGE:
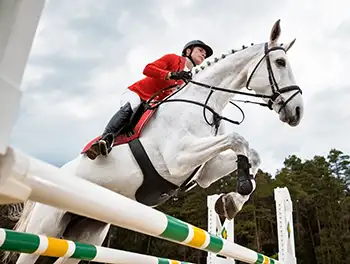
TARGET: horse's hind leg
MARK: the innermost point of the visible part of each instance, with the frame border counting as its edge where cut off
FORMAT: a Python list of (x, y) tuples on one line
[(230, 204), (44, 220), (84, 230), (241, 199)]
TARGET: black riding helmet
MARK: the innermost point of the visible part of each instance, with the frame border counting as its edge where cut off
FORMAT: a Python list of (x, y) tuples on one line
[(197, 43)]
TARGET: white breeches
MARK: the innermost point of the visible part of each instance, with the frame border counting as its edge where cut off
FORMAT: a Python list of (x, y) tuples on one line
[(131, 97)]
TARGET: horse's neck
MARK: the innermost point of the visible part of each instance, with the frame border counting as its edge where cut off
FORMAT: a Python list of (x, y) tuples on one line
[(229, 72)]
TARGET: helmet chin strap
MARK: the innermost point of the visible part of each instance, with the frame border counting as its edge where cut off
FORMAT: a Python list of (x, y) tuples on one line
[(190, 58)]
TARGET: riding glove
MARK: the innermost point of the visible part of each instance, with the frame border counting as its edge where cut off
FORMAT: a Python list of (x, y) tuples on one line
[(181, 75)]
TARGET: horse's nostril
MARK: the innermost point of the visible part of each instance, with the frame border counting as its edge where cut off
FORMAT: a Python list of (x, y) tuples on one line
[(297, 111)]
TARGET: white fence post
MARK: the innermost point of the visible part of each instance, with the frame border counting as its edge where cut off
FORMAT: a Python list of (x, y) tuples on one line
[(18, 23), (285, 229), (225, 230)]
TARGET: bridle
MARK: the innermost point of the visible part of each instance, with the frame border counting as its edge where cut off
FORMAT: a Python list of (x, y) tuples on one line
[(276, 92)]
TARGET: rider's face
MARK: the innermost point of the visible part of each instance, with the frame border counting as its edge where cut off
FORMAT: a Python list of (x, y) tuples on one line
[(198, 55)]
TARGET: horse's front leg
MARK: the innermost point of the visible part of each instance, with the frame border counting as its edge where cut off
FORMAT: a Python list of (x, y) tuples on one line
[(196, 151), (193, 151), (218, 167), (230, 204)]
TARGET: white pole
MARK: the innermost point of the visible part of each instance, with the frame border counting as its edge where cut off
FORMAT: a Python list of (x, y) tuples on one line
[(49, 185), (18, 23)]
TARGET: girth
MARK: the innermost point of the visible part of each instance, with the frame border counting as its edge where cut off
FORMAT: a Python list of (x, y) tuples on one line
[(154, 189)]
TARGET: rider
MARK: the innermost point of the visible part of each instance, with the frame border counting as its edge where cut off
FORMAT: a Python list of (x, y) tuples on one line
[(168, 70)]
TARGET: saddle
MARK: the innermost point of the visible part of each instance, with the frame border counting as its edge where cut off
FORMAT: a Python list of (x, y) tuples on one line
[(132, 129)]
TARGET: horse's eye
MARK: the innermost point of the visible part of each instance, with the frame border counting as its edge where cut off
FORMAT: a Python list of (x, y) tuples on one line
[(281, 62)]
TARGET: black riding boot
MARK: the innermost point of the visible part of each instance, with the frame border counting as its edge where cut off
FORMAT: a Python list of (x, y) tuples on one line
[(113, 128)]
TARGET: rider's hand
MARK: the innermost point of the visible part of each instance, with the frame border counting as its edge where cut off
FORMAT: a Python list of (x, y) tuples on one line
[(181, 75)]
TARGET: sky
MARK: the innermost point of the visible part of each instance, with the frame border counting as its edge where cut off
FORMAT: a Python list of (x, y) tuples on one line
[(85, 53)]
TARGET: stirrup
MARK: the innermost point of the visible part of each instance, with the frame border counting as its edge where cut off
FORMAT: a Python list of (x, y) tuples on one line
[(105, 144)]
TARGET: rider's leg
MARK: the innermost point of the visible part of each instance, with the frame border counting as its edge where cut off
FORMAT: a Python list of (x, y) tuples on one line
[(113, 128), (131, 97), (129, 101)]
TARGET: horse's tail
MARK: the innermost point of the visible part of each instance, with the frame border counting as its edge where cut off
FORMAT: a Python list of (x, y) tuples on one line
[(22, 223), (21, 226)]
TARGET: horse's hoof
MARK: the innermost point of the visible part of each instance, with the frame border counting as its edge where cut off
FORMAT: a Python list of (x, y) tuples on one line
[(231, 207), (226, 206), (219, 206)]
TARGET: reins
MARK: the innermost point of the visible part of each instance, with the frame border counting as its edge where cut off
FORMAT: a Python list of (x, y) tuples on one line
[(276, 91)]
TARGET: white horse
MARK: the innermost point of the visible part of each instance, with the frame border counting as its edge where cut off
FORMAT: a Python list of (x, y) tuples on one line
[(178, 140)]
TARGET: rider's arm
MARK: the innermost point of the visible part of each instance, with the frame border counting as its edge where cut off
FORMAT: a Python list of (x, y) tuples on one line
[(158, 68)]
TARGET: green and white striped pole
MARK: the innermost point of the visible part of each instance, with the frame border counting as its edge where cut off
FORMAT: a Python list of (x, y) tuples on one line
[(54, 247), (180, 231)]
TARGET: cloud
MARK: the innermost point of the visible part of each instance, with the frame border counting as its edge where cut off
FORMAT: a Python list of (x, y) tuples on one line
[(86, 53)]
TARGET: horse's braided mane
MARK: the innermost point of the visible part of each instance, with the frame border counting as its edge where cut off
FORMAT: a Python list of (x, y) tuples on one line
[(197, 69), (200, 68)]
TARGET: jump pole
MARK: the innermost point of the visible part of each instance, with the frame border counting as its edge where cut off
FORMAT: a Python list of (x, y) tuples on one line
[(42, 182), (49, 246)]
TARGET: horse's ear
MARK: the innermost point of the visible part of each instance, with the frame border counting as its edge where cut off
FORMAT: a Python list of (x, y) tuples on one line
[(275, 33), (289, 45)]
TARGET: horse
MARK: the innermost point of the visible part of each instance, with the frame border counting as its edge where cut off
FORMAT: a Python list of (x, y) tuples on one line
[(182, 142)]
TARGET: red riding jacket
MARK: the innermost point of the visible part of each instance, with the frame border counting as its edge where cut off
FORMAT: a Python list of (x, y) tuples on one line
[(156, 73)]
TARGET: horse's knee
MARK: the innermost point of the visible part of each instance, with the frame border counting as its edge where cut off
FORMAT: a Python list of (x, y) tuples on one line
[(85, 229), (46, 220), (239, 143)]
